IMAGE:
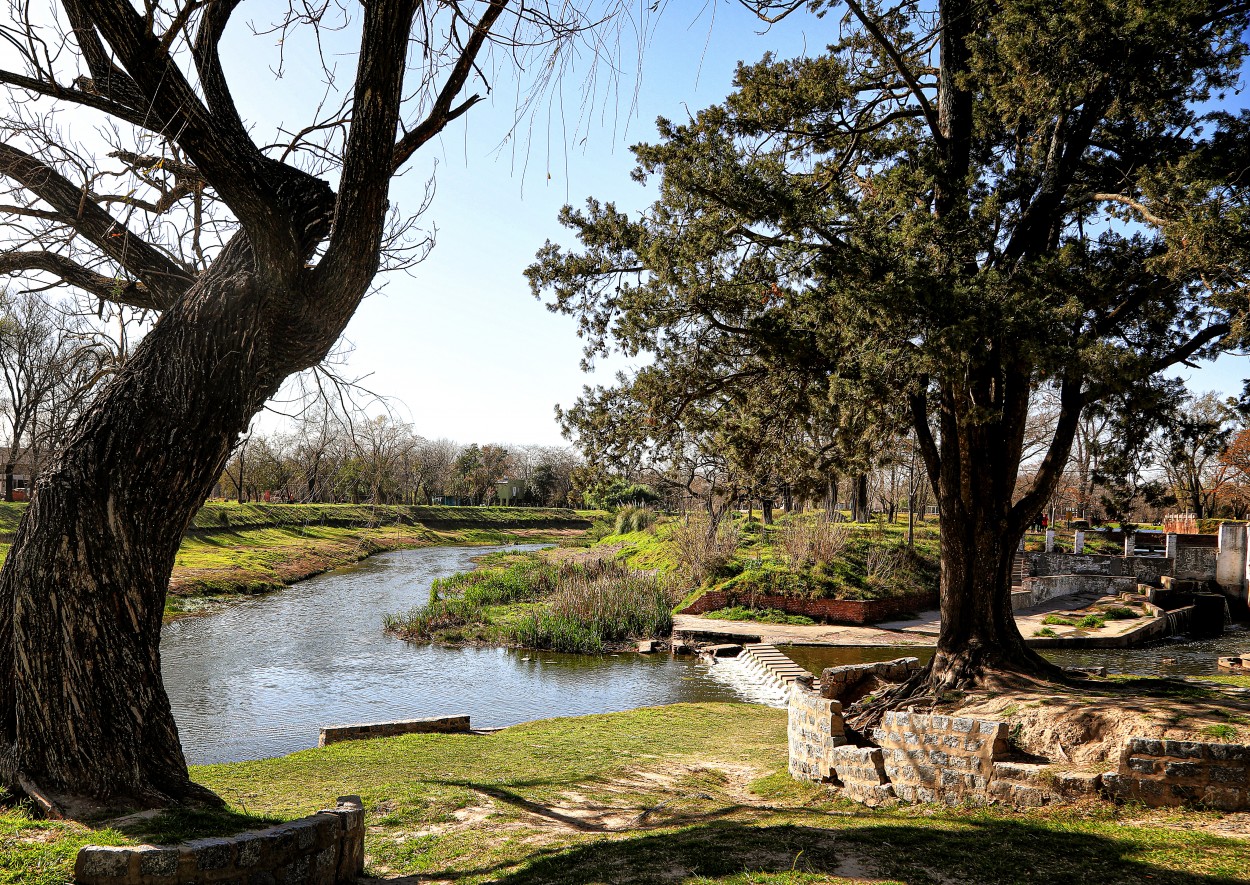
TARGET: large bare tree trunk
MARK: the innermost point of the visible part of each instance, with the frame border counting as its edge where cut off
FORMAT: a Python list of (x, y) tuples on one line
[(86, 578)]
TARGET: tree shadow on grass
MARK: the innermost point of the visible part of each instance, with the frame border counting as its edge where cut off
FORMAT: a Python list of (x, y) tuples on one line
[(976, 850)]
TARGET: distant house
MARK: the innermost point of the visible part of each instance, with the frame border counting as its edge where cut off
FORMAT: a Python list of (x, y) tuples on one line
[(509, 491), (23, 471)]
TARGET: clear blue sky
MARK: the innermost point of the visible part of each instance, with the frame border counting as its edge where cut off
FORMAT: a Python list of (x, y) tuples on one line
[(460, 344)]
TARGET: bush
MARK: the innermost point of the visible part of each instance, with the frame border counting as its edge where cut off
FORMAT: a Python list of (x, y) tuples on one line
[(633, 519), (703, 548), (595, 604), (811, 541), (1119, 613)]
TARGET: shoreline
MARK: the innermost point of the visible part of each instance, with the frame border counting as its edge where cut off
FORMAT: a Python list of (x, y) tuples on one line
[(217, 567)]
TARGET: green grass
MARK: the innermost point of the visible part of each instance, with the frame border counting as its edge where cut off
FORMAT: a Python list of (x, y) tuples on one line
[(874, 563), (693, 794), (527, 600), (760, 615)]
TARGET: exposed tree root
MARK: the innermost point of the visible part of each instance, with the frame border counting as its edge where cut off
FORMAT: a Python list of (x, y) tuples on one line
[(927, 687)]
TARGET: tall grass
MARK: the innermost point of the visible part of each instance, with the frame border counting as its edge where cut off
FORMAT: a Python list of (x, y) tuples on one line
[(587, 605), (597, 604), (810, 541), (633, 519), (702, 548)]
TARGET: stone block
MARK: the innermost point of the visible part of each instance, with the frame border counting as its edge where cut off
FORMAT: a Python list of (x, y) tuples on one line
[(251, 849), (1071, 783), (1143, 764), (1227, 775), (158, 861), (1183, 749), (1145, 746), (1225, 799), (212, 854), (98, 863), (1183, 770), (963, 725), (1229, 752)]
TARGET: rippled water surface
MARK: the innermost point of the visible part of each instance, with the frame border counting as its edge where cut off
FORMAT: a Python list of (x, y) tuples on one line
[(261, 678)]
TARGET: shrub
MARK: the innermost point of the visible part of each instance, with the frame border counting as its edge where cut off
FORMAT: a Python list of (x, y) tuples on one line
[(1058, 620), (880, 564), (702, 547), (633, 519), (1119, 613), (1093, 622), (604, 600), (811, 541), (1045, 631)]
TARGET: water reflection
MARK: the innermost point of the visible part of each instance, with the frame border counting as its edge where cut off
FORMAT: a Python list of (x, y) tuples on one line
[(260, 678)]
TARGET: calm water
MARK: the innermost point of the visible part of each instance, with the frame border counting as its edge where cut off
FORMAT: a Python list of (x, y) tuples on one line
[(261, 678)]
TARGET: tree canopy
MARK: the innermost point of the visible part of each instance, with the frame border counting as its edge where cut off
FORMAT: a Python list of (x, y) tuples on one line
[(950, 207)]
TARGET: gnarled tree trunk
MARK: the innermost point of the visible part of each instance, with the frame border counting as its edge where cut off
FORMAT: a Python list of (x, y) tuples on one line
[(86, 578)]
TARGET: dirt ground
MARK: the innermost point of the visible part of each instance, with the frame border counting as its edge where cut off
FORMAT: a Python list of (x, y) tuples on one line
[(1086, 724)]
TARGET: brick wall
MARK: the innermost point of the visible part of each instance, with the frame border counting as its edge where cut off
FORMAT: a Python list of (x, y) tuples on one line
[(839, 611), (325, 849)]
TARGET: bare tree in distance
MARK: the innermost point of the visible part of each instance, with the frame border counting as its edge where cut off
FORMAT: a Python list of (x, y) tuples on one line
[(255, 256)]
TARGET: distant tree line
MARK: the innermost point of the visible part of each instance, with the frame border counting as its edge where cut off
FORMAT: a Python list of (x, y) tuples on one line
[(336, 459)]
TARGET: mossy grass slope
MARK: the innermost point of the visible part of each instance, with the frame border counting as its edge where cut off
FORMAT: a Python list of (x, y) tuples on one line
[(875, 561), (680, 794)]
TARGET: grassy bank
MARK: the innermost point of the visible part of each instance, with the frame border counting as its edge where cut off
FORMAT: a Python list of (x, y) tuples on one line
[(682, 794), (587, 606), (233, 550), (800, 555)]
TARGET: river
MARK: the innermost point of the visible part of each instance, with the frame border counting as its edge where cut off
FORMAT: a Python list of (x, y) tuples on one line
[(260, 678)]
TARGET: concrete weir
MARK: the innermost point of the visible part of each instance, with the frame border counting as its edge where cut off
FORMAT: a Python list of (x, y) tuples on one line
[(769, 665)]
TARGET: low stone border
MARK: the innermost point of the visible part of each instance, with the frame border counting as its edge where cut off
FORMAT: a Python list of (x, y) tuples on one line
[(1175, 773), (333, 734), (930, 758), (327, 848)]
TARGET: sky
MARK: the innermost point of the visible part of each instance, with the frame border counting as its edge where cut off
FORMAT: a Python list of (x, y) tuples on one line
[(459, 345)]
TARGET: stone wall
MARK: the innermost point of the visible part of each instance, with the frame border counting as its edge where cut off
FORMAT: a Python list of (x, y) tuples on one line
[(940, 758), (815, 731), (332, 734), (836, 681), (1175, 773), (1195, 563), (1144, 569), (325, 849), (837, 611), (1044, 587)]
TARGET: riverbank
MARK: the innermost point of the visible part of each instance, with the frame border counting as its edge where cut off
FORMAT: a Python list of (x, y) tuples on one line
[(232, 551), (693, 794)]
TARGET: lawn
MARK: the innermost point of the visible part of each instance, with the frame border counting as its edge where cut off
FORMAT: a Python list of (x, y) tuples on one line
[(678, 794)]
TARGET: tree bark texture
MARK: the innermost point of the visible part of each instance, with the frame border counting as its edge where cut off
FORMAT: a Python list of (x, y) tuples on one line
[(86, 578)]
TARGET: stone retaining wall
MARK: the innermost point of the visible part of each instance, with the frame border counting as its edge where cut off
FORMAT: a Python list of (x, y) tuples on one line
[(838, 611), (1175, 773), (332, 734), (930, 758), (835, 681), (325, 849), (939, 758), (815, 730)]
